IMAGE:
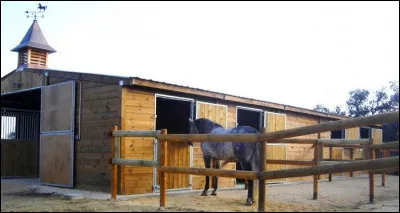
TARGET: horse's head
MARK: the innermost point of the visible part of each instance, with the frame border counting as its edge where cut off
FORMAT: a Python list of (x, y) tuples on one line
[(192, 129), (201, 126)]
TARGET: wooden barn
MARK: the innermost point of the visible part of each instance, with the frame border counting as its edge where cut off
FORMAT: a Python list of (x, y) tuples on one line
[(56, 125)]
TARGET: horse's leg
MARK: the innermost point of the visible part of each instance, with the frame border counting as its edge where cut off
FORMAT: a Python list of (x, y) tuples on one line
[(217, 165), (207, 163), (250, 200), (246, 182)]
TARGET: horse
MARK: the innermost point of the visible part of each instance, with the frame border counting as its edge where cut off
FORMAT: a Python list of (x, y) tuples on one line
[(245, 153), (42, 7)]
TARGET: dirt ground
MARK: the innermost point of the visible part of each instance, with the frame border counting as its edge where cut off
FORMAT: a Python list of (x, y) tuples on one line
[(345, 194)]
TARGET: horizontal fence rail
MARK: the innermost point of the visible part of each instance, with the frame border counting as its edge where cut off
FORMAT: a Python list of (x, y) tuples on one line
[(331, 142), (390, 162), (291, 162), (144, 163), (312, 129), (388, 145), (294, 141), (129, 133), (210, 172)]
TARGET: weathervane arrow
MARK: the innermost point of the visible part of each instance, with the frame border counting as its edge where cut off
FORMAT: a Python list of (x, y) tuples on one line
[(34, 14)]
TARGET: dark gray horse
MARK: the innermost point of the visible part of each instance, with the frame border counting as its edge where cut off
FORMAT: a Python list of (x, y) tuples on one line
[(244, 153)]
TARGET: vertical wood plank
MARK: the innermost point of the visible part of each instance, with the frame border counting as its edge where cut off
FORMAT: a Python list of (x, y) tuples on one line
[(371, 175), (123, 139), (385, 155), (351, 158), (114, 169), (330, 158), (318, 155), (163, 177), (261, 182)]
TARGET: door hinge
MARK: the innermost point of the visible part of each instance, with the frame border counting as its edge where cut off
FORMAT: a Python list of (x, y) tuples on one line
[(156, 187)]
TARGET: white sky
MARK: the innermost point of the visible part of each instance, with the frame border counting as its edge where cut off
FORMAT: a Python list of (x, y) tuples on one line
[(294, 53)]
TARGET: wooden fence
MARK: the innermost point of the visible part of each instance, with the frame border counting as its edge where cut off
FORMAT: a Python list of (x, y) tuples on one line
[(283, 136)]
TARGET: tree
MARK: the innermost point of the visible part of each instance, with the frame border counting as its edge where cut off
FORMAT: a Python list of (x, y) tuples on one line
[(321, 108), (358, 103), (380, 102), (338, 111), (394, 98)]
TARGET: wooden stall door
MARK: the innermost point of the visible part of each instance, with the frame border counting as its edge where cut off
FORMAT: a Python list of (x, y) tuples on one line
[(353, 133), (178, 156), (57, 135), (219, 114), (275, 122)]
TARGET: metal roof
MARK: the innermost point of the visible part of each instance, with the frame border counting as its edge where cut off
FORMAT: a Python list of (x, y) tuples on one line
[(79, 75), (34, 38)]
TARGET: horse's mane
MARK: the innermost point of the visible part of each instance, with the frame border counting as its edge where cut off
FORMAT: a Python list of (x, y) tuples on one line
[(206, 124)]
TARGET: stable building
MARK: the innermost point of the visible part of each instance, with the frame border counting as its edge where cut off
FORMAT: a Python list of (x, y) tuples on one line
[(56, 125)]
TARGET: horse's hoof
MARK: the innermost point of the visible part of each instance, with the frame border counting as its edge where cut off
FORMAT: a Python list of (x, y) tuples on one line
[(204, 194), (214, 194), (249, 203)]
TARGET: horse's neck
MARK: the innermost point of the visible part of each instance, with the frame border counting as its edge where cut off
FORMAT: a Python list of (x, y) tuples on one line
[(209, 128)]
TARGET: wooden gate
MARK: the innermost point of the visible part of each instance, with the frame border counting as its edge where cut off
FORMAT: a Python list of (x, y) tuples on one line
[(57, 135), (275, 122)]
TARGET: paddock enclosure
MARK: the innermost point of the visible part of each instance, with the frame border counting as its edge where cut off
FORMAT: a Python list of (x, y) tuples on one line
[(69, 142)]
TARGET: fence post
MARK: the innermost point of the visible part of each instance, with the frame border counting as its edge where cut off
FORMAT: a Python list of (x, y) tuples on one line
[(318, 151), (351, 158), (330, 158), (369, 154), (163, 177), (261, 182), (385, 155), (114, 167)]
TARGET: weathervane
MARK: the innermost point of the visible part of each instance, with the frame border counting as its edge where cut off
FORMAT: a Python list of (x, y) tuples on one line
[(34, 13)]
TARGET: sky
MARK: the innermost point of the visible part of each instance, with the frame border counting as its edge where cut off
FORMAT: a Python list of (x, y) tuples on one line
[(293, 53)]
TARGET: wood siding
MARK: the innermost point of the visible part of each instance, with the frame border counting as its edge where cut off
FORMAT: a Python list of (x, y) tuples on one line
[(100, 110), (19, 158), (300, 151), (21, 80), (137, 113)]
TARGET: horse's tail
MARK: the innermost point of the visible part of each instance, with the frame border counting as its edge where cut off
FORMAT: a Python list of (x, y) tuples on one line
[(256, 153)]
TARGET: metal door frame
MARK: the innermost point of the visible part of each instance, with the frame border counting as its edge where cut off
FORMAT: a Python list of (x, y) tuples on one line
[(156, 188), (253, 110)]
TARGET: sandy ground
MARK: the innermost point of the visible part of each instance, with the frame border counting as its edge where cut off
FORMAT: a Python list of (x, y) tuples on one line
[(346, 194)]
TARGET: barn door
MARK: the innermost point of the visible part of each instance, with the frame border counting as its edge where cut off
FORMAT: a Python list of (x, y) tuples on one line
[(174, 110), (275, 122), (217, 113), (57, 135), (354, 133)]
